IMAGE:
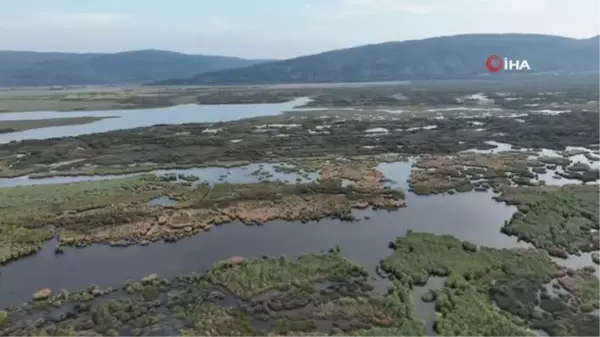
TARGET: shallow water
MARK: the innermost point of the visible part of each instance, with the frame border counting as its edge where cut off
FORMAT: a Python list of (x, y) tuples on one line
[(470, 216), (577, 262), (211, 175), (127, 119), (398, 173), (549, 176), (541, 333), (163, 201), (499, 147), (26, 181), (243, 174), (425, 310)]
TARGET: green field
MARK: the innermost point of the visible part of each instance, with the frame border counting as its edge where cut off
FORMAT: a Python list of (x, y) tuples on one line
[(22, 125)]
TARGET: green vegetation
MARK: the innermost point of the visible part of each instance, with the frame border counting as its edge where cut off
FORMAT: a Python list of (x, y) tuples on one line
[(255, 277), (509, 278), (22, 68), (557, 219), (186, 146), (41, 202), (420, 255), (411, 60), (467, 171), (23, 229), (581, 171), (117, 212), (487, 292), (560, 161), (469, 313), (17, 242), (21, 125), (288, 301)]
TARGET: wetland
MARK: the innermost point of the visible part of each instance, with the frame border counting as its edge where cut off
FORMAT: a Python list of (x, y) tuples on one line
[(470, 214)]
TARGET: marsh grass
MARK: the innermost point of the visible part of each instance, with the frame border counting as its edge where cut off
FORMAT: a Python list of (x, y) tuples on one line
[(115, 211), (557, 219), (30, 204), (510, 278), (281, 294), (254, 277), (21, 125), (185, 145), (29, 214)]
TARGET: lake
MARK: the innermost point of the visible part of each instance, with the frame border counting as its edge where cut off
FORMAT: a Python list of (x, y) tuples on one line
[(134, 118)]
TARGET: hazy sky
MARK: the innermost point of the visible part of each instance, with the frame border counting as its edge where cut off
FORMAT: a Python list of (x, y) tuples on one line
[(274, 28)]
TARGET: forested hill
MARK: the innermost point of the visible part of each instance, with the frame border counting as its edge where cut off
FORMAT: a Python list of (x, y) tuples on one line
[(23, 68), (451, 57)]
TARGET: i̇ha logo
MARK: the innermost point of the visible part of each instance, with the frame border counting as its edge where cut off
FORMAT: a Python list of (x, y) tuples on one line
[(495, 63)]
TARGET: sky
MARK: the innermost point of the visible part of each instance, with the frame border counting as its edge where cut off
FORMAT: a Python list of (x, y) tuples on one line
[(274, 28)]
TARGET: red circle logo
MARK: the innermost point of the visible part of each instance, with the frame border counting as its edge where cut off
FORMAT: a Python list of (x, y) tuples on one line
[(494, 63)]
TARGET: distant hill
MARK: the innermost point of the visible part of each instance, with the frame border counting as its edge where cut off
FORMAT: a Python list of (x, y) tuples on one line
[(451, 57), (22, 68)]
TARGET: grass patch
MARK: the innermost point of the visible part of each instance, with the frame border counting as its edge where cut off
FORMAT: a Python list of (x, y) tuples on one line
[(21, 125), (28, 214), (557, 219), (116, 211), (38, 203), (317, 294), (251, 278), (510, 278)]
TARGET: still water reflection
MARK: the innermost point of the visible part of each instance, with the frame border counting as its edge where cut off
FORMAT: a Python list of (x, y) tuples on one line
[(128, 119), (212, 175), (471, 216)]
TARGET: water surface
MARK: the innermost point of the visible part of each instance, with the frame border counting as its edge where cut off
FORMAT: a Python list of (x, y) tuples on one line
[(251, 173), (473, 216), (426, 310), (134, 118), (470, 216)]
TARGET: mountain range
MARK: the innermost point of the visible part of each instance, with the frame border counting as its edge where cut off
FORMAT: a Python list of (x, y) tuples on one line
[(450, 57), (23, 68)]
